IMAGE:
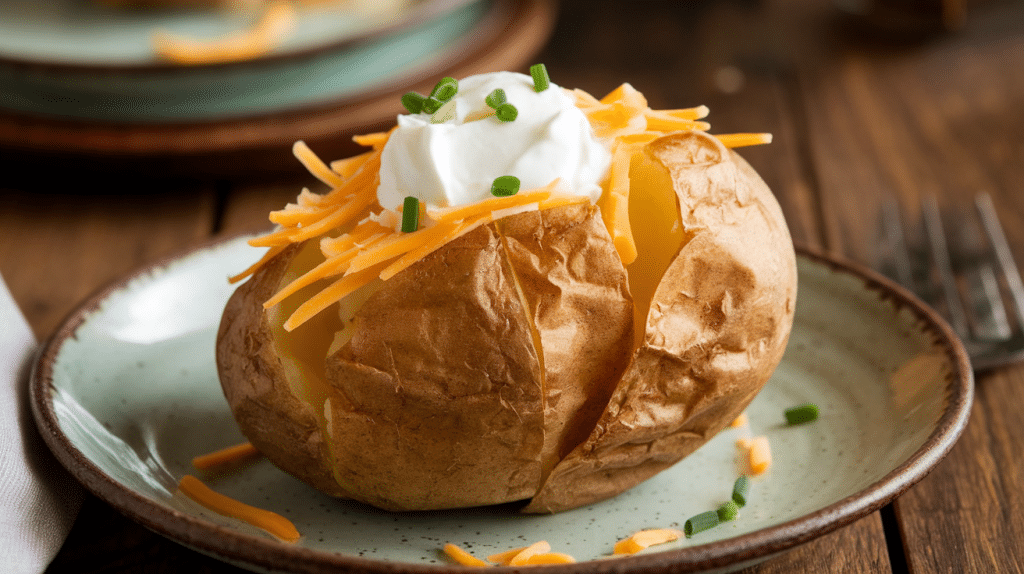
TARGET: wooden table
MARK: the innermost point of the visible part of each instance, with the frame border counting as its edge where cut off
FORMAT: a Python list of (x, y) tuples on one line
[(857, 117)]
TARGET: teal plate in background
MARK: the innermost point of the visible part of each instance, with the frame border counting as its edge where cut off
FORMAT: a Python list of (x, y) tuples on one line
[(89, 34), (125, 393), (138, 94)]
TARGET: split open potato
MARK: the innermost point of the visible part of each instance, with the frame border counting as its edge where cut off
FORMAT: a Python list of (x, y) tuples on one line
[(523, 361)]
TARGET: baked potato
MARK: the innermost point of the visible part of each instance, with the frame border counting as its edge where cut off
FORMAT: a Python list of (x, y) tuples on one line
[(522, 359)]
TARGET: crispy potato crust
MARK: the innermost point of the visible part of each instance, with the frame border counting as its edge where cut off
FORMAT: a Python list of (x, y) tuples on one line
[(275, 421), (718, 326)]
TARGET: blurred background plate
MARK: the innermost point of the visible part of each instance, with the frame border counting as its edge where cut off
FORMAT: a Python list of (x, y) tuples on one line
[(227, 119), (96, 34)]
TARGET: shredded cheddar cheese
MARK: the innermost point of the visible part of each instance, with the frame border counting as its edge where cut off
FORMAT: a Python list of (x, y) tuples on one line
[(462, 557), (375, 140), (348, 166), (505, 557), (270, 522), (225, 457), (270, 254), (271, 28), (740, 421), (645, 539), (740, 140), (524, 555), (550, 558), (490, 204), (360, 241), (760, 455), (316, 167)]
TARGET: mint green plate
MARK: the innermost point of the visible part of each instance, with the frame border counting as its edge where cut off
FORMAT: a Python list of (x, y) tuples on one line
[(87, 33), (71, 60), (126, 393)]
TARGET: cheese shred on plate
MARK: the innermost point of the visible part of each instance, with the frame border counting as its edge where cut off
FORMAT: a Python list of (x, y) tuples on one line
[(645, 539), (535, 554), (271, 522), (273, 26), (226, 457)]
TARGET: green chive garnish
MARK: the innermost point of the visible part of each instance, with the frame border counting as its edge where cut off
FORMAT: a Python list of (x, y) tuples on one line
[(495, 98), (700, 523), (506, 112), (445, 89), (728, 511), (431, 105), (740, 489), (540, 77), (410, 214), (802, 414), (505, 186), (413, 102)]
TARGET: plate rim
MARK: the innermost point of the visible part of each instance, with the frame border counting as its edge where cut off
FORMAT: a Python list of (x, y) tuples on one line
[(228, 544), (425, 11)]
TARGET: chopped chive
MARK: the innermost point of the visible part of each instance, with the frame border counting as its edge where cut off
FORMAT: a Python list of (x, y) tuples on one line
[(700, 523), (431, 105), (444, 113), (740, 489), (413, 102), (506, 112), (728, 511), (505, 186), (541, 81), (445, 89), (802, 414), (495, 98), (410, 214)]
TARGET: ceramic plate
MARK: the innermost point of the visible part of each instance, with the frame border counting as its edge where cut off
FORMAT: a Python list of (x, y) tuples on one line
[(176, 94), (95, 34), (126, 393)]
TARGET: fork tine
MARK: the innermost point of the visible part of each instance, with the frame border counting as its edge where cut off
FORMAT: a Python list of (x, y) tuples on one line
[(996, 237), (895, 255), (986, 303), (940, 257)]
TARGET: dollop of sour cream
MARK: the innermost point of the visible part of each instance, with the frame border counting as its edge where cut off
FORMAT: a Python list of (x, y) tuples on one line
[(455, 162)]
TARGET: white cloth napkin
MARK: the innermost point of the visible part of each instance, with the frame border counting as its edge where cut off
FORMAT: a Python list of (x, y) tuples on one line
[(38, 499)]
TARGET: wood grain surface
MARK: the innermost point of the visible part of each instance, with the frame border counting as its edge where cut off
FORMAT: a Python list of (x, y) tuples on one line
[(860, 113)]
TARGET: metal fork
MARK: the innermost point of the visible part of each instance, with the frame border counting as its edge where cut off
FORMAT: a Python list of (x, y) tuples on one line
[(968, 275)]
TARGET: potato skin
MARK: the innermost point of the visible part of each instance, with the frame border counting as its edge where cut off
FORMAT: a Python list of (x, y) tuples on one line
[(439, 400), (275, 421), (502, 367), (719, 323)]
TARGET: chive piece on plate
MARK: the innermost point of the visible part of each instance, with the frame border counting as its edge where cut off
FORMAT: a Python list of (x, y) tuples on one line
[(410, 214), (728, 511), (700, 523), (506, 112), (541, 81), (505, 186), (495, 98), (802, 414), (740, 489), (413, 102)]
